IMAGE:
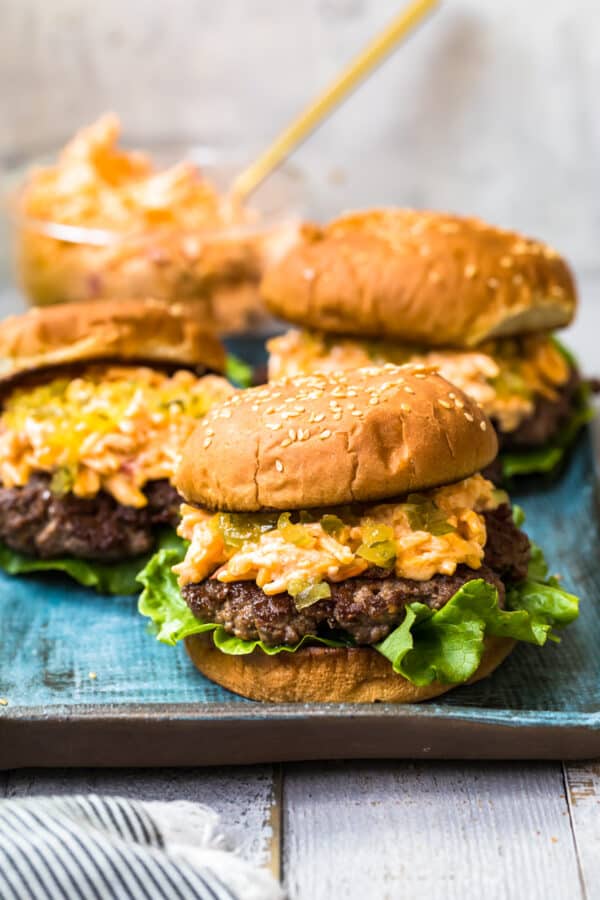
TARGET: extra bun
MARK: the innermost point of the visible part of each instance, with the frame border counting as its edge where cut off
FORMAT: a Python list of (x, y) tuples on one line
[(324, 674), (325, 440), (130, 330), (420, 277)]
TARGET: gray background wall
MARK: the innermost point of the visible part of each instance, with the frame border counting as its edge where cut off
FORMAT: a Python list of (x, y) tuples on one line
[(491, 108)]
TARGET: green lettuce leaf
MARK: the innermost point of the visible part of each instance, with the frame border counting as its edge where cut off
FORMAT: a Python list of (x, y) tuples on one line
[(444, 645), (238, 372), (106, 578), (447, 645)]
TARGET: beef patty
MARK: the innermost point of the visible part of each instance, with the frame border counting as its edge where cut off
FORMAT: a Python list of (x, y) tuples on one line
[(368, 607), (35, 521)]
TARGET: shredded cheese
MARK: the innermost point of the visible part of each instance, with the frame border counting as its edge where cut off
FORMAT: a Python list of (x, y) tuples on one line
[(277, 554), (112, 428), (503, 376)]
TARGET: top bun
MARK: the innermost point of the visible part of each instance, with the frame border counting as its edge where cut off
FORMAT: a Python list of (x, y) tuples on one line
[(326, 440), (421, 277), (141, 331)]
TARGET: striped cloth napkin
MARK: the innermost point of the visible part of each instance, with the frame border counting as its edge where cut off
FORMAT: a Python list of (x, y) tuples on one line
[(99, 848)]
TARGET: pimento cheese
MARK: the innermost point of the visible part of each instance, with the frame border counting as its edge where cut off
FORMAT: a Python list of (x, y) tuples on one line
[(505, 377), (429, 533), (112, 429)]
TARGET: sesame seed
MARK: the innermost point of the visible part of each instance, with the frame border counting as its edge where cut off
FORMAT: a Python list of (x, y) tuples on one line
[(405, 407), (337, 416), (92, 676), (300, 409), (434, 277), (506, 262), (445, 404), (274, 426), (3, 701), (325, 434), (470, 270), (286, 442), (279, 465), (352, 393), (207, 443), (468, 417), (483, 425), (319, 417), (492, 283), (459, 403), (292, 434), (210, 431), (556, 291), (420, 375), (358, 413), (452, 395), (408, 390), (374, 400), (226, 414)]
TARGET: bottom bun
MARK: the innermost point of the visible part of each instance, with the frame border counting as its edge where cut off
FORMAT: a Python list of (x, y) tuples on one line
[(324, 674)]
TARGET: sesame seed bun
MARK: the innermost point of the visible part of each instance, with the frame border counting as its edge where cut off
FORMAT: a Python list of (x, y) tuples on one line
[(145, 331), (324, 674), (421, 277), (327, 440)]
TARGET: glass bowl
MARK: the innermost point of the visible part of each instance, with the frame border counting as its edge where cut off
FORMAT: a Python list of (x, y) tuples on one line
[(219, 267)]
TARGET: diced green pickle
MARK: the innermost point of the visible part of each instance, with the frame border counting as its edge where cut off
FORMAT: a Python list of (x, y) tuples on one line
[(295, 534), (382, 554), (62, 481), (331, 524), (238, 529), (424, 515), (306, 591)]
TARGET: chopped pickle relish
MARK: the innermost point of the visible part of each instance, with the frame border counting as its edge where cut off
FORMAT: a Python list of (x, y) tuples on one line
[(303, 552), (503, 376), (112, 428)]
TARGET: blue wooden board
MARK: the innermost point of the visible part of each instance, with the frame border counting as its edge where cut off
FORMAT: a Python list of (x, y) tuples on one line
[(53, 634)]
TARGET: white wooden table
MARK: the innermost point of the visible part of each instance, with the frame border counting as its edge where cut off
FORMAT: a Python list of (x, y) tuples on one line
[(395, 829)]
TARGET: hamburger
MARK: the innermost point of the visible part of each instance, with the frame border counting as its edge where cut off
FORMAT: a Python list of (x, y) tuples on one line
[(478, 302), (97, 400), (340, 544)]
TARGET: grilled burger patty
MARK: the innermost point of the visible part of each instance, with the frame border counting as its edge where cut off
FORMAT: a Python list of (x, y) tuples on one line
[(35, 521), (368, 607)]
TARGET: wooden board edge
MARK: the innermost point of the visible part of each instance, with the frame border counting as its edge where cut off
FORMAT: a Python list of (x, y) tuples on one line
[(114, 741)]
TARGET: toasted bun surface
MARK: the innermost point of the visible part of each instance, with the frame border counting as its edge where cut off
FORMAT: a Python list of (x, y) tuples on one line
[(324, 674), (325, 440), (422, 277), (140, 330)]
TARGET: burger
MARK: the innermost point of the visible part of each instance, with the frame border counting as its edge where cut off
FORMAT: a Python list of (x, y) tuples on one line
[(478, 302), (340, 544), (96, 402)]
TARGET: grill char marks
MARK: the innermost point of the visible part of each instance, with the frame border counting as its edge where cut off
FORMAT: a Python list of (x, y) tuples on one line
[(367, 608), (41, 524)]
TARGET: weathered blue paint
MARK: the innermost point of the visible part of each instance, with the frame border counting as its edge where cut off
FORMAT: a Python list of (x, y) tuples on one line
[(54, 634)]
